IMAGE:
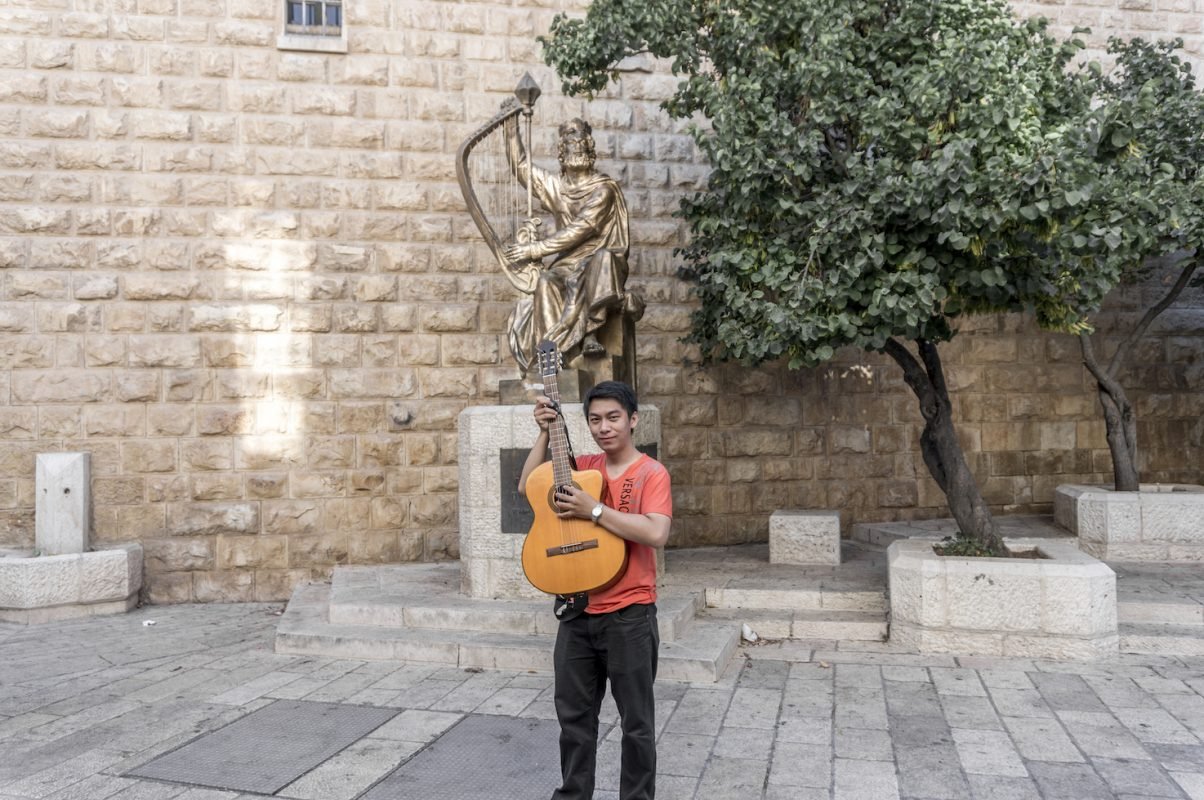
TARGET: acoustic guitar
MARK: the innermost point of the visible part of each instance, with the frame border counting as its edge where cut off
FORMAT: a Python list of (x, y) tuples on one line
[(566, 556)]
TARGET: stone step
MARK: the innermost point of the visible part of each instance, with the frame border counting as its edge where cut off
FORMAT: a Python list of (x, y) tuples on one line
[(701, 654), (1155, 639), (1168, 611), (861, 626), (427, 597), (813, 595)]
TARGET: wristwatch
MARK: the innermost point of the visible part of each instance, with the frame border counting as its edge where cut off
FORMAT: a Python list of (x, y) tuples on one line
[(596, 513)]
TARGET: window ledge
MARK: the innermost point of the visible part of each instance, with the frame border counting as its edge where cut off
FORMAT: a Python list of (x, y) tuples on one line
[(312, 44)]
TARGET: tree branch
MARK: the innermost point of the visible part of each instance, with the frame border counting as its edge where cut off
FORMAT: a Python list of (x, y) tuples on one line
[(1150, 315), (1107, 382), (915, 376)]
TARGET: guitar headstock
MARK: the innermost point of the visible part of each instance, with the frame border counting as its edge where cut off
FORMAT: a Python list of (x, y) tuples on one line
[(548, 358)]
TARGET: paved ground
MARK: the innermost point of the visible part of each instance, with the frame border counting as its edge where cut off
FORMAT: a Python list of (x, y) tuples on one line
[(84, 702)]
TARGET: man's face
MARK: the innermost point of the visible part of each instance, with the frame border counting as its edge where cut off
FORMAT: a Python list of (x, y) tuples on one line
[(576, 150), (610, 424)]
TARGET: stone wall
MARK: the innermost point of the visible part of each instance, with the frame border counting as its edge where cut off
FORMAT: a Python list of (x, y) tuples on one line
[(244, 280)]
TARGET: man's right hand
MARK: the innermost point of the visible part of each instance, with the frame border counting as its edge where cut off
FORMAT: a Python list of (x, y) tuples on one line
[(545, 412)]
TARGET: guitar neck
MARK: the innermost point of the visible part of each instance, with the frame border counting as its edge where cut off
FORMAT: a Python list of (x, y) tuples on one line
[(558, 438)]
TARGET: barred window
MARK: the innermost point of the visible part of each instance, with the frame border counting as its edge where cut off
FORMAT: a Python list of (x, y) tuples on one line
[(314, 17)]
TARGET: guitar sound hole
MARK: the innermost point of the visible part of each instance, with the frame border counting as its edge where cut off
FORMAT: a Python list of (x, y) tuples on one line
[(552, 496)]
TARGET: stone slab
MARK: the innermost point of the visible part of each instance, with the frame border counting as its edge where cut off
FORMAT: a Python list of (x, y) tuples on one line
[(502, 758), (1060, 606), (63, 509), (1161, 522), (268, 749), (804, 537)]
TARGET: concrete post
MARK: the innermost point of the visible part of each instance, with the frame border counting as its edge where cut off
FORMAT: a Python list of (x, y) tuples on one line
[(63, 514)]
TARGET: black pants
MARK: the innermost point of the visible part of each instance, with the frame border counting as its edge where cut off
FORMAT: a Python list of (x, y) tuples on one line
[(590, 649)]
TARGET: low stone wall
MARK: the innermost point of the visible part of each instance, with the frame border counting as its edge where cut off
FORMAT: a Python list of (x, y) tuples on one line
[(47, 588), (1062, 606), (1162, 522)]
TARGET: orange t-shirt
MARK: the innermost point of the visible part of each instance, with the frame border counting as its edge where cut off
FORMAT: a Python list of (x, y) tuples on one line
[(643, 488)]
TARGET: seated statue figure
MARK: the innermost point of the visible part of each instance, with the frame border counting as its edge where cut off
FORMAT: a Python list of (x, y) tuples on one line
[(582, 291)]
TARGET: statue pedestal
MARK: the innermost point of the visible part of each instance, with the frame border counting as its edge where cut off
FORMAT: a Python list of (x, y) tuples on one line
[(494, 517)]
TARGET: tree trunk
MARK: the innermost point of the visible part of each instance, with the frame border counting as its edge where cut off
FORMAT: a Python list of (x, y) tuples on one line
[(1120, 423), (939, 444)]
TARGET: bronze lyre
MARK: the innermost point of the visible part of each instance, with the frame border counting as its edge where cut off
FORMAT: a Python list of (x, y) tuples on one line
[(523, 275)]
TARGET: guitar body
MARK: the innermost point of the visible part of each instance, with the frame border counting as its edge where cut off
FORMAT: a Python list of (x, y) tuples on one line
[(566, 556)]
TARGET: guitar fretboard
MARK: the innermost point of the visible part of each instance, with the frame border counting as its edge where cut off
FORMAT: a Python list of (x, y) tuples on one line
[(558, 437)]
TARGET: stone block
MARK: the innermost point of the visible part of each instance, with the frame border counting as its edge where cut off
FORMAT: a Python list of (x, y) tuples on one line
[(1060, 606), (45, 588), (63, 515), (1161, 522), (490, 560), (804, 537)]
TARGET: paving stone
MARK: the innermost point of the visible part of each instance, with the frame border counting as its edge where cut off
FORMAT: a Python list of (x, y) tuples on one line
[(1119, 692), (1155, 725), (1135, 777), (804, 730), (912, 699), (1177, 757), (145, 790), (511, 759), (932, 771), (958, 681), (988, 753), (1192, 783), (745, 742), (1069, 782), (1005, 679), (859, 743), (764, 674), (860, 708), (417, 725), (994, 787), (906, 674), (865, 780), (733, 778), (801, 765), (753, 708), (685, 754), (1020, 703), (970, 712), (700, 711), (348, 773), (1101, 735), (1042, 740), (1067, 692)]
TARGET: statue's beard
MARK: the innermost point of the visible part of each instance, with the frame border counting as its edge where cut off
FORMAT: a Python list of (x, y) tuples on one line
[(576, 162)]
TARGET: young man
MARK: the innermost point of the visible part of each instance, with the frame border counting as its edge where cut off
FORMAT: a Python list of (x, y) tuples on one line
[(616, 637)]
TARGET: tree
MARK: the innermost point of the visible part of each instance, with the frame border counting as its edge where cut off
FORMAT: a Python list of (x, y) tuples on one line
[(1147, 139), (879, 170)]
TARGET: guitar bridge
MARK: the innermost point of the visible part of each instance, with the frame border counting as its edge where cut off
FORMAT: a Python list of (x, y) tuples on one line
[(575, 547)]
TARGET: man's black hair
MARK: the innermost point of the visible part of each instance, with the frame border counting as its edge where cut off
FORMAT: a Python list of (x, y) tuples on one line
[(613, 390)]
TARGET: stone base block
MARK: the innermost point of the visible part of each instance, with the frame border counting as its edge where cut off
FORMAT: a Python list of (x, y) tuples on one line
[(1059, 606), (1161, 522), (45, 588), (804, 537), (491, 546)]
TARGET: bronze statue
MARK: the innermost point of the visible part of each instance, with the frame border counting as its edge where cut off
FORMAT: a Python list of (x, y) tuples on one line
[(578, 299)]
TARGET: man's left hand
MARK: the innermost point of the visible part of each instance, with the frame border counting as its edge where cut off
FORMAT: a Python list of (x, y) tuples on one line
[(518, 253), (574, 502)]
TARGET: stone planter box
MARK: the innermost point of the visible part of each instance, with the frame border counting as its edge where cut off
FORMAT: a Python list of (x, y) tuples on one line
[(47, 588), (1162, 522), (1062, 606)]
